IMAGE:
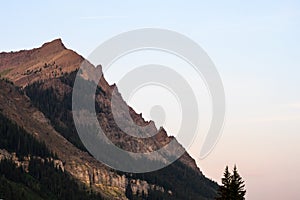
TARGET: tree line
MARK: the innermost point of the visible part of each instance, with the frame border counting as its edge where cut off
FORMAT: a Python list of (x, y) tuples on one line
[(15, 139), (42, 180)]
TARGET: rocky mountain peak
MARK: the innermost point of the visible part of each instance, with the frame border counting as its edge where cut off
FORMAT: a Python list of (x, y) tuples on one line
[(50, 60), (43, 109), (52, 47)]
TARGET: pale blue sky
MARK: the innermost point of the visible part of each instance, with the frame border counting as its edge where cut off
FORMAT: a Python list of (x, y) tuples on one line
[(255, 46)]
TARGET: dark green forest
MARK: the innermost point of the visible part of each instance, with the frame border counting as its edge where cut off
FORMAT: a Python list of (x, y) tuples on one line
[(43, 180), (16, 139), (55, 109)]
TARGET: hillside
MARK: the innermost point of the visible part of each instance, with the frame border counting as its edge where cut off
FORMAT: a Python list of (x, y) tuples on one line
[(36, 94)]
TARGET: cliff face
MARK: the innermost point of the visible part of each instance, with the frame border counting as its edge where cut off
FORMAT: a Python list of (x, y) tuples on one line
[(78, 163), (39, 101)]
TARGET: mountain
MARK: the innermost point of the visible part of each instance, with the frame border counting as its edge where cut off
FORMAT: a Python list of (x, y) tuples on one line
[(36, 97)]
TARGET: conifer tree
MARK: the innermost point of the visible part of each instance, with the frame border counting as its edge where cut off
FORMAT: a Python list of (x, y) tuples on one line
[(237, 185), (233, 187), (224, 190)]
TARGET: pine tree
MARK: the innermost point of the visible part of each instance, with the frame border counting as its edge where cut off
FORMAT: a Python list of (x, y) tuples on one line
[(237, 185), (233, 187), (224, 190)]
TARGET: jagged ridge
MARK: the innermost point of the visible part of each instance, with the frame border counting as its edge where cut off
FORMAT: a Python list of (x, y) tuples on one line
[(24, 69)]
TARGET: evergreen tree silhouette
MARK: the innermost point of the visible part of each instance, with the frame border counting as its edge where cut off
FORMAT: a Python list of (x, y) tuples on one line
[(233, 187), (237, 185)]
